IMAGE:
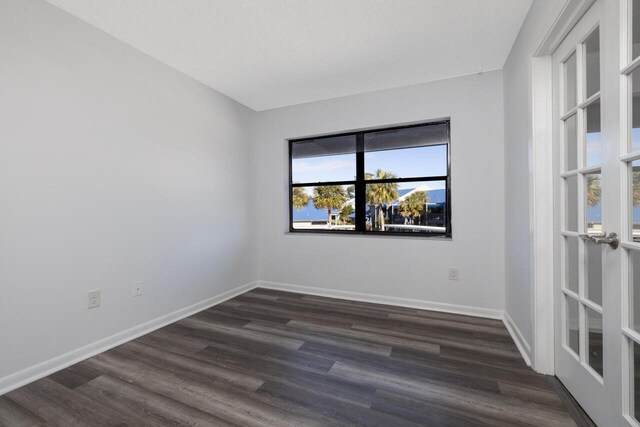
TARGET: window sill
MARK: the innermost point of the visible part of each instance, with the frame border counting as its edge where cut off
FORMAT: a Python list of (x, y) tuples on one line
[(370, 235)]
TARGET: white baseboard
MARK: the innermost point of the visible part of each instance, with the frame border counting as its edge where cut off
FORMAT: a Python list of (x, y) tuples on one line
[(518, 338), (381, 299), (50, 366)]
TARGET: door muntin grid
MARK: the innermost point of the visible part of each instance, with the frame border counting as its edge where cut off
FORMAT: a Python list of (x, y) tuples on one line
[(581, 209)]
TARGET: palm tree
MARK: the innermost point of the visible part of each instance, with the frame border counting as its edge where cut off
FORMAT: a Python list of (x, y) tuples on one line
[(329, 197), (381, 194), (594, 192), (300, 198), (351, 191), (346, 210), (413, 206), (636, 186)]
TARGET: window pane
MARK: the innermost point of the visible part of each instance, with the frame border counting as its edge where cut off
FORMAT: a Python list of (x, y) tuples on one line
[(324, 160), (593, 201), (635, 379), (634, 199), (634, 290), (634, 86), (572, 325), (408, 207), (407, 153), (327, 207), (571, 263), (594, 144), (571, 143), (594, 272), (407, 162), (415, 136), (594, 324), (571, 203), (636, 28), (570, 83), (592, 58)]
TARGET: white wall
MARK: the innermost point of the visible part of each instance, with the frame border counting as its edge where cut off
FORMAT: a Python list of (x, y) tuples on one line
[(517, 145), (400, 267), (113, 168)]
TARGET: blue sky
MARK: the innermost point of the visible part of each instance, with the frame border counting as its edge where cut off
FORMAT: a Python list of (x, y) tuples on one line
[(594, 149), (635, 139), (405, 163)]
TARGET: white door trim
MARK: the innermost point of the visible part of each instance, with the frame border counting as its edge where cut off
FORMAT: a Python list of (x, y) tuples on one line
[(541, 207), (541, 185)]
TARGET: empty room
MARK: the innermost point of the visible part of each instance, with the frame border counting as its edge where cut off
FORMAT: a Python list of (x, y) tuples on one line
[(319, 213)]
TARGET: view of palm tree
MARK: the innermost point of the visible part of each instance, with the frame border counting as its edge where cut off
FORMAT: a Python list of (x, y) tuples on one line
[(329, 197), (345, 214), (594, 193), (636, 187), (300, 198), (414, 206), (380, 195), (417, 207)]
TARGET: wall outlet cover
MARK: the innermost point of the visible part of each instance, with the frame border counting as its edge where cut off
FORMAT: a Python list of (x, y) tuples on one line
[(94, 299), (453, 273), (137, 288)]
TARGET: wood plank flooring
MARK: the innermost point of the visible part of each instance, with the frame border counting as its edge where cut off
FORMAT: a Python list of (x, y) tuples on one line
[(278, 358)]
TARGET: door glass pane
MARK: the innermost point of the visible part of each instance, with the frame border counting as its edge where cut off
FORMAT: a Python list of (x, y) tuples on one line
[(571, 143), (573, 334), (594, 323), (635, 379), (570, 83), (592, 62), (571, 263), (634, 87), (634, 290), (594, 144), (593, 201), (636, 28), (571, 203), (634, 201), (594, 272)]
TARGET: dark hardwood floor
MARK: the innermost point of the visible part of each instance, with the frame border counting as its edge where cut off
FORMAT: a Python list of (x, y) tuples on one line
[(276, 358)]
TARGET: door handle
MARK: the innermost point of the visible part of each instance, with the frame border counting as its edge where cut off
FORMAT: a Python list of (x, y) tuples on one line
[(611, 240)]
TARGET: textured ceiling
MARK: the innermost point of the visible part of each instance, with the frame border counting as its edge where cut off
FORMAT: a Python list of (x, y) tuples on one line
[(273, 53)]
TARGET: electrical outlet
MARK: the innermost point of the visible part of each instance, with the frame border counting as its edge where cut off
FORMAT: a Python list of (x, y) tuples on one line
[(93, 299), (453, 273), (137, 288)]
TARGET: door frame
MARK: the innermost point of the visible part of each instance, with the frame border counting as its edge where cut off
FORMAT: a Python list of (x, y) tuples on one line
[(541, 185)]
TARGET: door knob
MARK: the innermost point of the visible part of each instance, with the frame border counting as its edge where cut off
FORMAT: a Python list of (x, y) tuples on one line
[(611, 240)]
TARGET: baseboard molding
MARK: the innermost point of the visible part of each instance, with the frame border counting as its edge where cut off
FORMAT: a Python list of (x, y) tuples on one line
[(48, 367), (518, 338), (381, 299)]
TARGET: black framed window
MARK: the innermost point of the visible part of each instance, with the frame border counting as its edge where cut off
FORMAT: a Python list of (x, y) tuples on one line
[(382, 181)]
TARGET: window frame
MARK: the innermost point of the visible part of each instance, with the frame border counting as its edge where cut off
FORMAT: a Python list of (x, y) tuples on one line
[(360, 184)]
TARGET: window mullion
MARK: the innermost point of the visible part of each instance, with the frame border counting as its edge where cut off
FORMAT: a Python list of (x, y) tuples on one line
[(360, 187)]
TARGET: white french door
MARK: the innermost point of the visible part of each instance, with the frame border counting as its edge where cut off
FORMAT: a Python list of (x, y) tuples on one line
[(587, 287), (597, 178), (629, 161)]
